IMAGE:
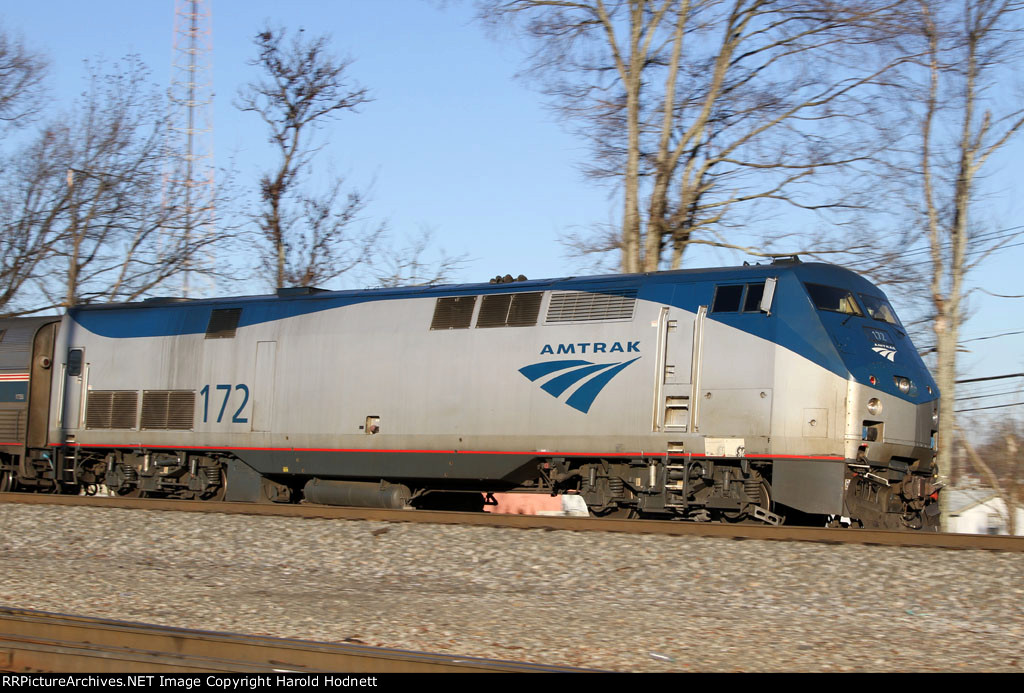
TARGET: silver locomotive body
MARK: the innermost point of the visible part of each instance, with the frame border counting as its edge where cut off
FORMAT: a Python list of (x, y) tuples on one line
[(735, 393)]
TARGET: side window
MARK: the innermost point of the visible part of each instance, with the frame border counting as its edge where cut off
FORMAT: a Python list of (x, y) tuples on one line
[(752, 303), (727, 299), (737, 298), (74, 362)]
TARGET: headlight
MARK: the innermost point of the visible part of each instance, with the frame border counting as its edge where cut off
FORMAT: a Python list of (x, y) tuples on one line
[(902, 384), (935, 418), (874, 406)]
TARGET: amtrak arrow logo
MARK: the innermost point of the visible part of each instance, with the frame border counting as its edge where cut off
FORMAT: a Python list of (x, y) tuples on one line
[(886, 352), (594, 376)]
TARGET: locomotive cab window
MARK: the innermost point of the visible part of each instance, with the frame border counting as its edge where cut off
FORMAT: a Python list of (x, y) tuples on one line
[(727, 299), (752, 301), (879, 309), (737, 298), (833, 299)]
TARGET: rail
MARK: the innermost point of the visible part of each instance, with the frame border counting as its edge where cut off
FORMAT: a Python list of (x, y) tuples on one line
[(39, 641), (576, 524)]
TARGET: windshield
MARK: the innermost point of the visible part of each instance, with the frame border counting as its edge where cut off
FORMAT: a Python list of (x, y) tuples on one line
[(879, 309), (833, 299)]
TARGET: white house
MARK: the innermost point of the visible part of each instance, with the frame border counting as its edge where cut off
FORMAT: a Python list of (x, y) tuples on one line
[(978, 510)]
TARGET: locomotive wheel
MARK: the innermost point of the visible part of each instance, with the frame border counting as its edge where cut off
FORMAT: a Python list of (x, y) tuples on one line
[(764, 500), (8, 482)]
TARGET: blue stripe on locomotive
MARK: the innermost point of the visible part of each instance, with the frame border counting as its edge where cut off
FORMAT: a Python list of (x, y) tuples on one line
[(834, 341)]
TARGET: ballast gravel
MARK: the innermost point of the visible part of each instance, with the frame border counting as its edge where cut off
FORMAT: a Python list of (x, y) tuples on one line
[(596, 600)]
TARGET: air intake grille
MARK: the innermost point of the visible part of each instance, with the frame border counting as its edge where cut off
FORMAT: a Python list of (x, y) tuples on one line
[(453, 313), (111, 409), (12, 425), (223, 323), (168, 409), (583, 306), (509, 310)]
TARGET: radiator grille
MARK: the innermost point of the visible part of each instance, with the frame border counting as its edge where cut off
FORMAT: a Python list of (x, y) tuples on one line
[(583, 306), (453, 313), (111, 409), (509, 310), (168, 409)]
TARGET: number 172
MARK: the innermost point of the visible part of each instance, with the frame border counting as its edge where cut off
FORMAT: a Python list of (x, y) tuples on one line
[(205, 392)]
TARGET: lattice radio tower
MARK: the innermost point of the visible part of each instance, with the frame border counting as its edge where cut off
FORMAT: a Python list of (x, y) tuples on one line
[(191, 167)]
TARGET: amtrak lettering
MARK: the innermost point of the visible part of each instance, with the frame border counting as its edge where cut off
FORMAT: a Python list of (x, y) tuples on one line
[(595, 348)]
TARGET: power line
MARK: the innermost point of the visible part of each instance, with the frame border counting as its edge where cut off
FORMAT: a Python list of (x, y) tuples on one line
[(991, 377), (992, 389), (1002, 247), (992, 336), (997, 235), (998, 406), (993, 394), (926, 349)]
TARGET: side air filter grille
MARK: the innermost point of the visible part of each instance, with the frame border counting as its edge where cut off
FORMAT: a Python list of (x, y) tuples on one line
[(223, 323), (168, 409), (583, 306), (453, 313), (509, 310), (111, 409)]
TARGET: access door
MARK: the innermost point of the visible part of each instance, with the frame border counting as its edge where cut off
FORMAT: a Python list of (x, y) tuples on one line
[(674, 370)]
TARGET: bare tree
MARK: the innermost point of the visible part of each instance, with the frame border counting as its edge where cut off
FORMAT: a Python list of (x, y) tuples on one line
[(310, 237), (87, 208), (701, 108), (972, 49), (21, 80), (408, 266)]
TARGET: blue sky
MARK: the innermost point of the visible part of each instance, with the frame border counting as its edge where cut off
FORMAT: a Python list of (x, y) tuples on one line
[(452, 140)]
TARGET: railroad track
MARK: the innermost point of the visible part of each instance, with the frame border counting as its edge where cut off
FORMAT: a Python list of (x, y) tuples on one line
[(576, 524), (39, 641)]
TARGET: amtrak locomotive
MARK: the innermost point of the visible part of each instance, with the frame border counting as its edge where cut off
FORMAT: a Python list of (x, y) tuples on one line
[(783, 392)]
